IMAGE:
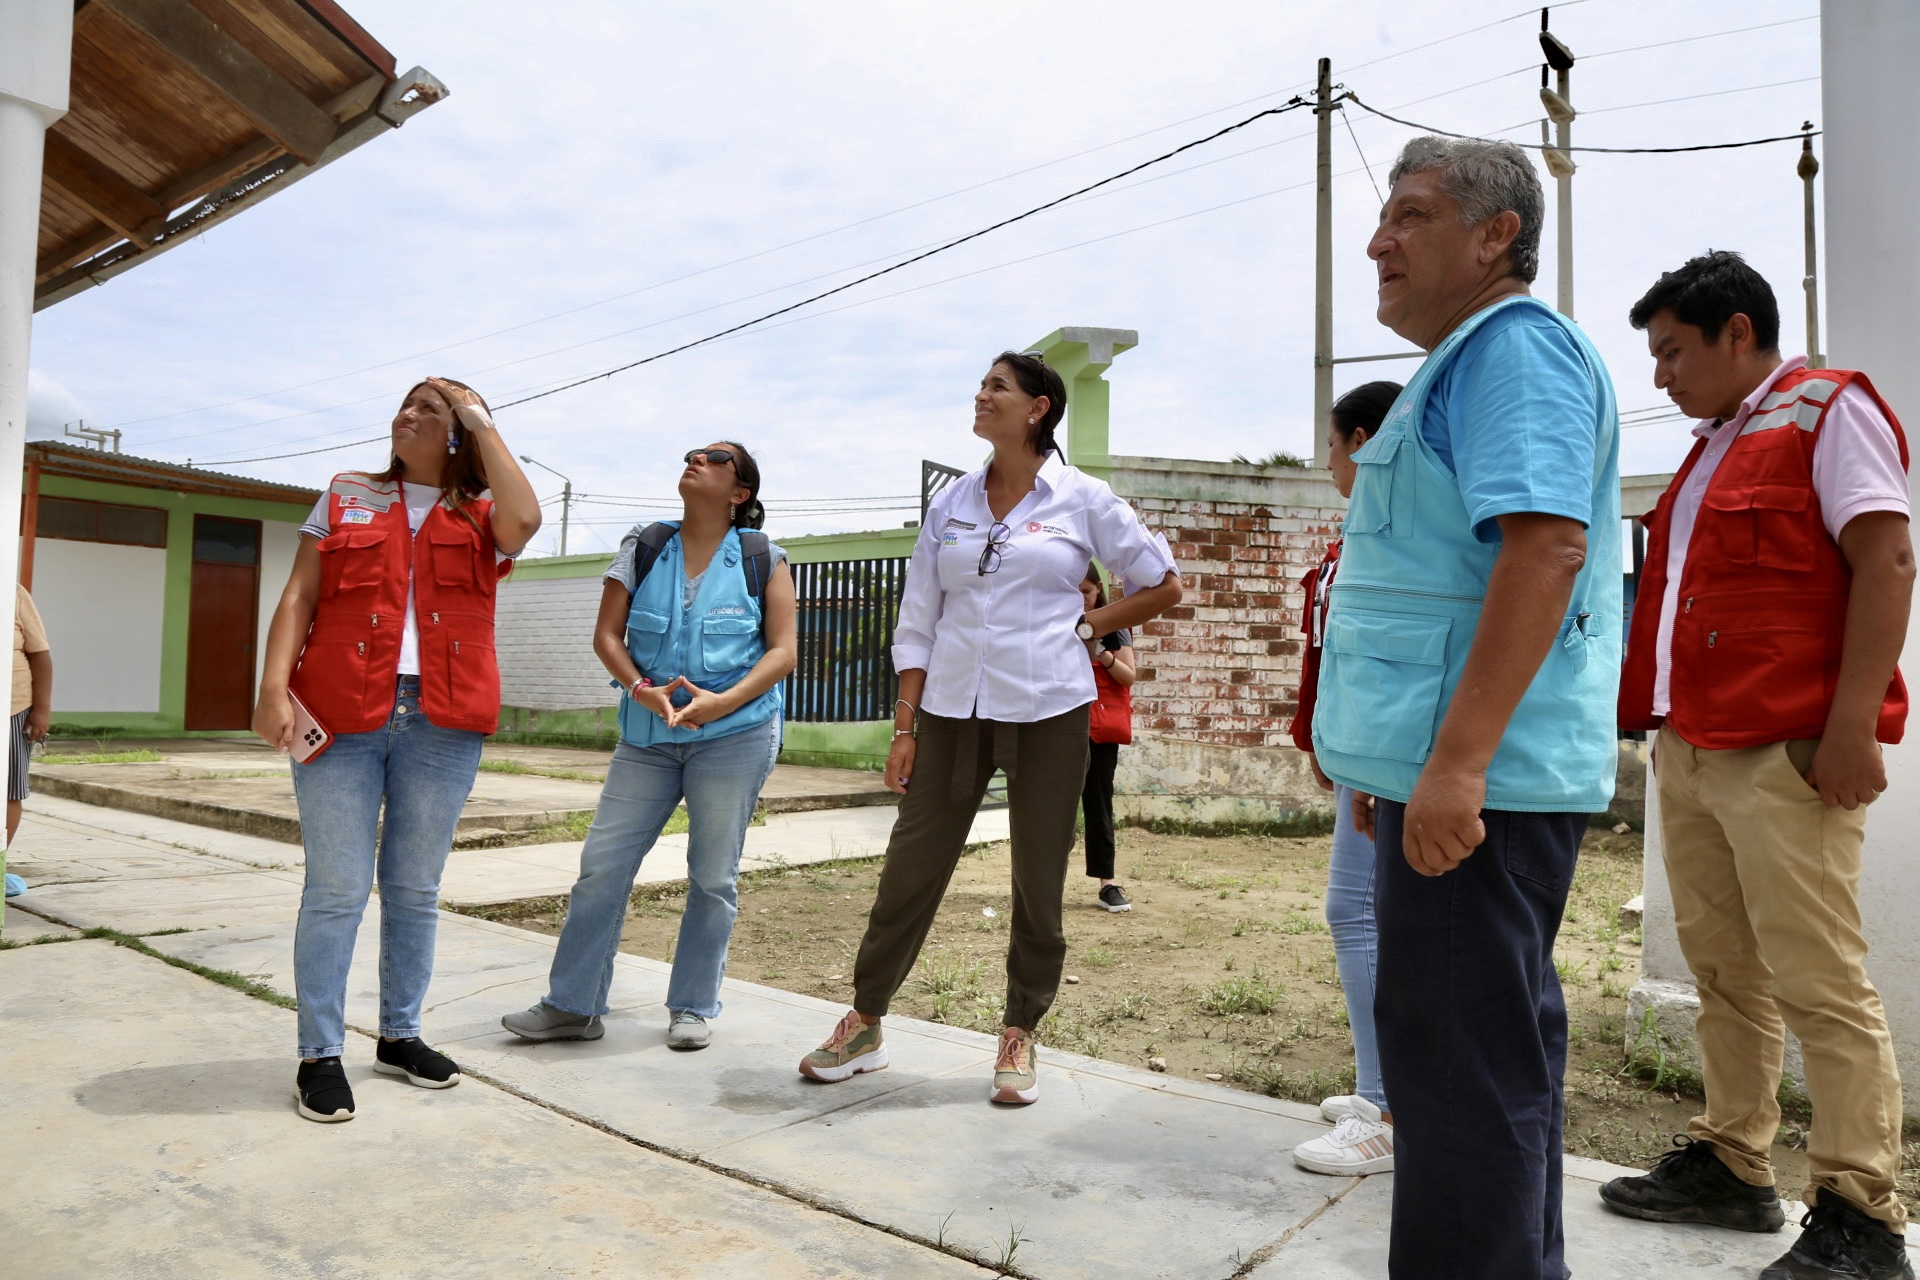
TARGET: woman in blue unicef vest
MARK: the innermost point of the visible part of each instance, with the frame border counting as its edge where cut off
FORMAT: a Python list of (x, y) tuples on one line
[(697, 625)]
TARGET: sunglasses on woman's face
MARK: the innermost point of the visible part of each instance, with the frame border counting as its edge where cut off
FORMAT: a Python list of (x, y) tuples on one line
[(718, 457)]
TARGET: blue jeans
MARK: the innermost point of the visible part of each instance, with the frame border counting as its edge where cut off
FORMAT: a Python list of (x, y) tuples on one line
[(721, 780), (1473, 1043), (424, 774), (1356, 940)]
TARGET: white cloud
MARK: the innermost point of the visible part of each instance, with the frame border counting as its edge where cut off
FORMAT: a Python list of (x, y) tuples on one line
[(49, 406)]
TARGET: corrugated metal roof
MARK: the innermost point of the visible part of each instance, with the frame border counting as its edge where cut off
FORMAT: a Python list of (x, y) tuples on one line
[(80, 463)]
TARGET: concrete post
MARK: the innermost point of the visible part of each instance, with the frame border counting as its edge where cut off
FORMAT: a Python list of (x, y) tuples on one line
[(36, 57), (1870, 96), (1081, 355)]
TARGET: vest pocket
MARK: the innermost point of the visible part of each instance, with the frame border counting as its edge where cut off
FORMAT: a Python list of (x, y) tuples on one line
[(456, 556), (1767, 525), (1381, 675), (473, 673), (1382, 503), (729, 643), (352, 559), (646, 637)]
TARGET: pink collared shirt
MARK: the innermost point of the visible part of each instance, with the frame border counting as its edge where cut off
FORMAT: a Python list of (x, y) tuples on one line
[(1856, 469)]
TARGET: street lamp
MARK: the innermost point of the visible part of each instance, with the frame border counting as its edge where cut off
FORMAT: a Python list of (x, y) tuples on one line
[(566, 498)]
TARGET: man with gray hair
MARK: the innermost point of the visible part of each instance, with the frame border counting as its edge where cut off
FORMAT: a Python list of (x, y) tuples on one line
[(1467, 687)]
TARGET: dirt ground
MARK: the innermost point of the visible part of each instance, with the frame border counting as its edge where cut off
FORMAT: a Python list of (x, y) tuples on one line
[(1224, 970)]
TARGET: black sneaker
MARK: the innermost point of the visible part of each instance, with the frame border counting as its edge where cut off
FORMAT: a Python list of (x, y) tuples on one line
[(1111, 899), (323, 1092), (1839, 1240), (1693, 1185), (411, 1058)]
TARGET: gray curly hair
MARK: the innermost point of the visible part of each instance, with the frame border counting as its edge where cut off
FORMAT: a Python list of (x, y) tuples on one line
[(1485, 178)]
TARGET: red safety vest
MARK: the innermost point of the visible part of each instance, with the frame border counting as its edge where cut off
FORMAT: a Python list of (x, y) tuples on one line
[(351, 660), (1313, 591), (1762, 608)]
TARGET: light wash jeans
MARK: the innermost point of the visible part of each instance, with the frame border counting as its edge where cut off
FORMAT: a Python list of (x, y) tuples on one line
[(721, 780), (1356, 941), (424, 774)]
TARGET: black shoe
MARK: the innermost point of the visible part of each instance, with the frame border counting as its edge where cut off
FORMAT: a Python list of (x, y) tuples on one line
[(1693, 1185), (1839, 1240), (1113, 900), (411, 1058), (322, 1089)]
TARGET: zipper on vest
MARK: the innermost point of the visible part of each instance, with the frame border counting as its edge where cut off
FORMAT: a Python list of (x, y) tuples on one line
[(436, 619), (1689, 605), (456, 647), (376, 621), (1711, 637), (361, 646)]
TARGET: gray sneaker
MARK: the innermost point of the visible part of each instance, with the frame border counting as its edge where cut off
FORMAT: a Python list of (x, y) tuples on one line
[(688, 1031), (544, 1022)]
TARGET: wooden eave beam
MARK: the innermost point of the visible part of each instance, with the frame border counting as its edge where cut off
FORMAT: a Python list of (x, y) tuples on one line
[(101, 192), (275, 107)]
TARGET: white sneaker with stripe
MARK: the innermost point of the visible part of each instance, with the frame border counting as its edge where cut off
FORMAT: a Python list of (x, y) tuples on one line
[(1361, 1143)]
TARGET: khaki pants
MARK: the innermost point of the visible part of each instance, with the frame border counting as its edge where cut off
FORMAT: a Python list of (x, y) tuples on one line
[(1046, 766), (1765, 882)]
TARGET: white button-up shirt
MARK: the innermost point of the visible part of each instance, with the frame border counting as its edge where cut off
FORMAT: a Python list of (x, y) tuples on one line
[(1001, 645), (1856, 469)]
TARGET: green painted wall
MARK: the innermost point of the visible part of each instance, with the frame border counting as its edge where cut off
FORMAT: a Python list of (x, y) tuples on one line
[(856, 745), (180, 509), (877, 544)]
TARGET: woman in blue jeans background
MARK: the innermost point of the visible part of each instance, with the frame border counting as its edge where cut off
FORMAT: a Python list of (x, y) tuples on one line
[(697, 624), (1362, 1139), (388, 614)]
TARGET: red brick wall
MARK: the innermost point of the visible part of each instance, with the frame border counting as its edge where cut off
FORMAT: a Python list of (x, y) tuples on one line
[(1223, 666)]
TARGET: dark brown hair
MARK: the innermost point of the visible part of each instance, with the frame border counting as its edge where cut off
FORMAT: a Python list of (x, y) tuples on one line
[(1037, 378), (466, 475), (1099, 581), (749, 514)]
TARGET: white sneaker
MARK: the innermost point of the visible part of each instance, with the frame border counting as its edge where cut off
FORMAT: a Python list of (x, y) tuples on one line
[(1337, 1108), (1360, 1144)]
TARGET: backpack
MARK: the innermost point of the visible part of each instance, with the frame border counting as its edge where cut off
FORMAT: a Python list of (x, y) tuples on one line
[(756, 555)]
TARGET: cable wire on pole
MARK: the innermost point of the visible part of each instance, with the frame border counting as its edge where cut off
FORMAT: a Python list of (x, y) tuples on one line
[(1353, 97)]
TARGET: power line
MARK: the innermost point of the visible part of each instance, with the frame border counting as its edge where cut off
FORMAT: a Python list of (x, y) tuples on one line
[(1621, 151), (1711, 35), (858, 222)]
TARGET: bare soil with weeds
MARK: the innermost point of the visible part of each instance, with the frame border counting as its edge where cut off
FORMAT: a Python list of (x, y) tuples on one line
[(1223, 971)]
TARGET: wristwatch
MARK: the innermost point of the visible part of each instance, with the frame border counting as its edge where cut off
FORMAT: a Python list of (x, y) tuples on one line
[(1085, 629)]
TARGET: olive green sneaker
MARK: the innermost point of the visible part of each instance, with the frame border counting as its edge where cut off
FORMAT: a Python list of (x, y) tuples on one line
[(852, 1048), (1016, 1075)]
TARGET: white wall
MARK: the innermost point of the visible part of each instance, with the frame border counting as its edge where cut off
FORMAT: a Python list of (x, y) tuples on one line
[(103, 606), (278, 542), (543, 630)]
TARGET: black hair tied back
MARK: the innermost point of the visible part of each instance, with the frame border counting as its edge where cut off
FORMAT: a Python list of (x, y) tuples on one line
[(1037, 378), (749, 514)]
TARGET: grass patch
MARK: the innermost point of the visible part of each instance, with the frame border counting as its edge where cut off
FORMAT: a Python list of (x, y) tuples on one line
[(101, 757), (225, 977), (538, 771), (1251, 994)]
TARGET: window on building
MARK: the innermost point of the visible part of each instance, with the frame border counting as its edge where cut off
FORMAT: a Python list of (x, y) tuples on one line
[(79, 520)]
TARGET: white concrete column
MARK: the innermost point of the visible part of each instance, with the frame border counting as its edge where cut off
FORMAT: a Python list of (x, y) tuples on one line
[(1870, 100), (36, 57)]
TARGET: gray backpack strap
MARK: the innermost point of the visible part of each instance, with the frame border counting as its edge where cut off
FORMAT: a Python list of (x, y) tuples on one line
[(652, 541), (756, 560)]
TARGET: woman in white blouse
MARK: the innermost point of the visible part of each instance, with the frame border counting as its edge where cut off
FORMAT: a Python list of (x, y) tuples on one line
[(991, 651)]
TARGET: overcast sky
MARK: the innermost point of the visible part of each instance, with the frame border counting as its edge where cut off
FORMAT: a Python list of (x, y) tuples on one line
[(611, 179)]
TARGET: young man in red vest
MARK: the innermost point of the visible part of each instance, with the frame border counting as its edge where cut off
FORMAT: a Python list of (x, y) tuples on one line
[(1765, 633)]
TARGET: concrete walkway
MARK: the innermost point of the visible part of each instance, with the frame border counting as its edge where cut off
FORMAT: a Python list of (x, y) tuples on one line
[(152, 1132)]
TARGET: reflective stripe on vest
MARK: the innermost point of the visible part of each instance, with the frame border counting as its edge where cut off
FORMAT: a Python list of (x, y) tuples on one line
[(351, 661), (1406, 603), (1762, 605), (714, 642)]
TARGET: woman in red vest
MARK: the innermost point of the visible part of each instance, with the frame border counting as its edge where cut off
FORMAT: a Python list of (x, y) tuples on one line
[(384, 636), (1110, 727)]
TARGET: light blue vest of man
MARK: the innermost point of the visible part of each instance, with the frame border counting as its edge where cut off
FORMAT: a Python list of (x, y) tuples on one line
[(714, 640), (1403, 612)]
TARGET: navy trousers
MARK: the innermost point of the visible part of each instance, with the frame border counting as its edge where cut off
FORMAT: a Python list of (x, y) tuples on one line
[(1473, 1048)]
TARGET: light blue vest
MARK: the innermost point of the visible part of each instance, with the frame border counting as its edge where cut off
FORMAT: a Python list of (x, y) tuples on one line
[(1407, 600), (714, 643)]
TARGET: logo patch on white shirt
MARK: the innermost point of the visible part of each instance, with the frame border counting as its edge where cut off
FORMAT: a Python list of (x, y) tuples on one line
[(951, 539), (354, 515)]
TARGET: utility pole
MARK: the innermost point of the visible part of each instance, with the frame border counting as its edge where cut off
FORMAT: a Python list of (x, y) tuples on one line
[(1323, 263), (1808, 167), (1559, 158), (566, 497)]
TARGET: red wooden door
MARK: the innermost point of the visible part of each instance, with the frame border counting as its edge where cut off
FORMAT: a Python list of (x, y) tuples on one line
[(222, 619)]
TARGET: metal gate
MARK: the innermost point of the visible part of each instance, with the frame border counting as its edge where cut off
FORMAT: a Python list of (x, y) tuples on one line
[(847, 610)]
